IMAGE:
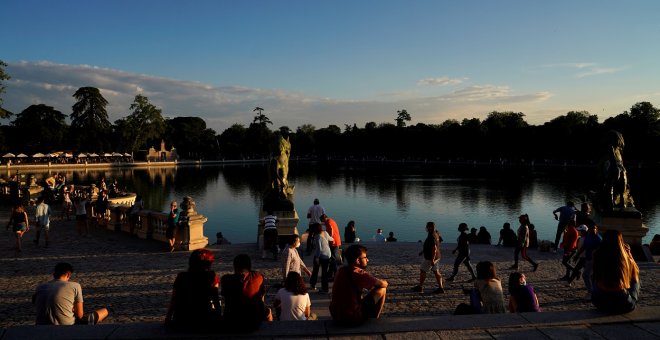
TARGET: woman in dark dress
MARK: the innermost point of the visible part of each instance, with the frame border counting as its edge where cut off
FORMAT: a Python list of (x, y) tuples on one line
[(195, 302)]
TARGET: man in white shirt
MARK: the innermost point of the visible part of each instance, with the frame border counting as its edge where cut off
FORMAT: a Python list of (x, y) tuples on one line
[(314, 214), (42, 219)]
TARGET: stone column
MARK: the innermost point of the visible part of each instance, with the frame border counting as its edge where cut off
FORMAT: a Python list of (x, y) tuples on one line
[(191, 226), (629, 222)]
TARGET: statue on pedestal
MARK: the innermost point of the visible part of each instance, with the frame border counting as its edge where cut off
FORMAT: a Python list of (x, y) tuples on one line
[(615, 192), (278, 197)]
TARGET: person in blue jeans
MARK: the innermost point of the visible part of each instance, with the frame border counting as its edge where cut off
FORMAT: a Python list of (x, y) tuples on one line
[(616, 281), (322, 256)]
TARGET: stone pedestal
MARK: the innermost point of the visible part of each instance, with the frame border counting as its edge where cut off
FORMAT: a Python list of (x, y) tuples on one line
[(192, 233), (629, 222), (287, 226)]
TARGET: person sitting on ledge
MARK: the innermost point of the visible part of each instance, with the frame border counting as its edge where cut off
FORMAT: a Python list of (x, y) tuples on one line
[(379, 237), (616, 281), (391, 237), (347, 306), (195, 303), (522, 297), (60, 301), (244, 293), (654, 246)]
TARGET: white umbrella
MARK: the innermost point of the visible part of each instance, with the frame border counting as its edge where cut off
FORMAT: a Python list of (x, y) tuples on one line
[(93, 155), (22, 155), (8, 155), (38, 155), (68, 155), (107, 155), (128, 155), (117, 154), (81, 155), (49, 155)]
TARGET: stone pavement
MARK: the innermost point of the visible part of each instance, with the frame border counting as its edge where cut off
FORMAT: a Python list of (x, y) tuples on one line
[(135, 277), (641, 324)]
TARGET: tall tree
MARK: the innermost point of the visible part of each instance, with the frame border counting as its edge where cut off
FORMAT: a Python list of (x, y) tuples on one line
[(402, 117), (261, 118), (89, 119), (40, 128), (191, 137), (145, 123), (3, 76)]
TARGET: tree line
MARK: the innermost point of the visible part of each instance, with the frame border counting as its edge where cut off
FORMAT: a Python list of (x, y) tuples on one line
[(576, 136)]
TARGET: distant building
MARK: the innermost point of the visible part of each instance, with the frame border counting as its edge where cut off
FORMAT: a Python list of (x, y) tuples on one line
[(162, 155)]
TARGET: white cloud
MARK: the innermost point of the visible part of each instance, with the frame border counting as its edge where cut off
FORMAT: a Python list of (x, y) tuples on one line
[(441, 81), (587, 69), (221, 106), (594, 71)]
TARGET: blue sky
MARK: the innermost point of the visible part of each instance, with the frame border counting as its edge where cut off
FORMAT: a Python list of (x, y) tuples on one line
[(335, 62)]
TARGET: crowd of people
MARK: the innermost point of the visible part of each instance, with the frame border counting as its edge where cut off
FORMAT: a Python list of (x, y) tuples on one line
[(70, 199), (202, 300)]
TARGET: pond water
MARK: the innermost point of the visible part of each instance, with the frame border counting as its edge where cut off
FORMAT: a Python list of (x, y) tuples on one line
[(394, 197)]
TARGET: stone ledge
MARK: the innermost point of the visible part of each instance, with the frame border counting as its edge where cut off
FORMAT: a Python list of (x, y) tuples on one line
[(648, 317)]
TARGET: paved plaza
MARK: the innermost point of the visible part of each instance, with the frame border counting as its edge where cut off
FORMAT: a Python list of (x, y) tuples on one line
[(135, 277)]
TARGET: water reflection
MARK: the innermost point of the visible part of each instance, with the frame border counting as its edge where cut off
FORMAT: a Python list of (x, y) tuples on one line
[(396, 198)]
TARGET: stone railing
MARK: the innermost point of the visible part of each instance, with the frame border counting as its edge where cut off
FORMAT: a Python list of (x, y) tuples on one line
[(151, 224)]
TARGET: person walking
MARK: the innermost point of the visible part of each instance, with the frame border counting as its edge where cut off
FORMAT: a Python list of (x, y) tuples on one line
[(462, 252), (523, 243), (290, 259), (322, 256), (566, 213), (80, 205), (336, 259), (569, 245), (42, 220), (591, 243), (19, 223), (431, 261)]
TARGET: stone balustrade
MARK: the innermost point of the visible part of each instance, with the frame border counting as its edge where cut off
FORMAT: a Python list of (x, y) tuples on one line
[(151, 224)]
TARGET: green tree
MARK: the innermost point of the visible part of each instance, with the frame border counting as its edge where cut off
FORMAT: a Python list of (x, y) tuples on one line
[(260, 118), (402, 117), (3, 76), (40, 128), (192, 139), (232, 142), (89, 119), (144, 124), (285, 131)]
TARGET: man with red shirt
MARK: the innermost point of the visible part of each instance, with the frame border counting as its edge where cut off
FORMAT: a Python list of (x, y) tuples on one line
[(244, 293), (347, 306), (335, 248), (569, 244)]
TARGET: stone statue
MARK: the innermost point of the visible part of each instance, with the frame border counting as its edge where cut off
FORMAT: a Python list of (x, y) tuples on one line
[(616, 191), (280, 166), (278, 197)]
